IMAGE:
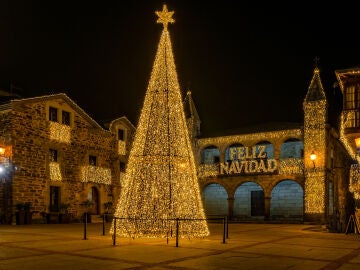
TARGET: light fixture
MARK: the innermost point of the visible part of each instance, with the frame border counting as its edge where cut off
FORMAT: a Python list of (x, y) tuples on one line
[(313, 157), (2, 151), (357, 143)]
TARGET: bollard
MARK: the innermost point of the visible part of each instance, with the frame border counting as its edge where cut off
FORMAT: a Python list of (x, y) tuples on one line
[(85, 223), (114, 235), (224, 230), (103, 224), (177, 232), (227, 227)]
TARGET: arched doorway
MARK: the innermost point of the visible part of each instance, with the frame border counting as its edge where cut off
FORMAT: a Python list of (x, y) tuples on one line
[(287, 201), (214, 197), (93, 196), (249, 201)]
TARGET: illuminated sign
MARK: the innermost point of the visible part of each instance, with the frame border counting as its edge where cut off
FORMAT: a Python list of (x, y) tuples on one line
[(246, 160)]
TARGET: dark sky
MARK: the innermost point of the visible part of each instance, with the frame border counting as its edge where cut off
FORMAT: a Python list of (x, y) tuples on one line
[(246, 62)]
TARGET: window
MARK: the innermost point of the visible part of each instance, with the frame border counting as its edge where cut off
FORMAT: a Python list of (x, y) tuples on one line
[(53, 114), (121, 134), (53, 155), (122, 166), (65, 118), (92, 160), (352, 98), (54, 199)]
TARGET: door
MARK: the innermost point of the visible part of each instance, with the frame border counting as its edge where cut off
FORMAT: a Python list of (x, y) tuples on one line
[(95, 201), (257, 203)]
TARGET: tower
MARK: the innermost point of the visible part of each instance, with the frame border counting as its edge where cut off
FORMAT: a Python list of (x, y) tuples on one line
[(315, 119), (161, 182), (192, 118)]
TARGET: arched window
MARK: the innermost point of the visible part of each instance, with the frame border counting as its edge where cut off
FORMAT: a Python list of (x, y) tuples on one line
[(210, 155), (292, 148)]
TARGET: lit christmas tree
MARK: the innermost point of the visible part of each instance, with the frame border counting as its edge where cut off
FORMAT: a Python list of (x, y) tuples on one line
[(161, 183)]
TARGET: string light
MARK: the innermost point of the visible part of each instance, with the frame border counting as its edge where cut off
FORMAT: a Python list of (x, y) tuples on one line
[(59, 132), (121, 147), (231, 139), (96, 174), (161, 183), (315, 114), (55, 173)]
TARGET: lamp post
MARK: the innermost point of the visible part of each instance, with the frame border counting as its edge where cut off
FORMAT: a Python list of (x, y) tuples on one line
[(313, 157)]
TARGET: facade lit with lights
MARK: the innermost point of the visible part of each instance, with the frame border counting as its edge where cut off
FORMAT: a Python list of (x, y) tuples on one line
[(53, 153), (60, 157), (286, 172)]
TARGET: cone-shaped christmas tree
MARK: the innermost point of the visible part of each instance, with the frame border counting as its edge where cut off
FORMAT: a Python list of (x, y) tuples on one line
[(161, 183)]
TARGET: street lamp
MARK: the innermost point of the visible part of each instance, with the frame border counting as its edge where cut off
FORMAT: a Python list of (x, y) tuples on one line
[(313, 157)]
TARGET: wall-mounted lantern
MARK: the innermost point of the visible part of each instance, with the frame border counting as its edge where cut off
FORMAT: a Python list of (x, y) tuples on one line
[(313, 157)]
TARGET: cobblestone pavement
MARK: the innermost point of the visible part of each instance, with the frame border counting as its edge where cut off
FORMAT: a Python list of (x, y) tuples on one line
[(248, 246)]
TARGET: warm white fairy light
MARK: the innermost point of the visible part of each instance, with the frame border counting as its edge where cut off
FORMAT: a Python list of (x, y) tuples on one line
[(208, 170), (291, 166), (255, 137), (96, 174), (121, 147), (355, 180), (315, 114), (55, 173), (354, 184), (161, 182), (59, 132)]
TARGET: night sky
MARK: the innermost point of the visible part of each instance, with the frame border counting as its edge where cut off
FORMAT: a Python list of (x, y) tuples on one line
[(244, 63)]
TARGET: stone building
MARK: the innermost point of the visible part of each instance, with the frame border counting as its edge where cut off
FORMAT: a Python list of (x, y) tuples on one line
[(286, 172), (55, 154)]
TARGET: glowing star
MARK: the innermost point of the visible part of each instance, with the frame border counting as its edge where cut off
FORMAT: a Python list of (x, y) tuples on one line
[(165, 16)]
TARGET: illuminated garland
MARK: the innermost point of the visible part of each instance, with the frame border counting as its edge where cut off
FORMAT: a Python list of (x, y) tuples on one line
[(315, 142), (229, 140), (59, 132), (161, 183), (291, 166), (96, 174), (121, 147), (55, 173), (286, 166), (355, 180), (354, 185)]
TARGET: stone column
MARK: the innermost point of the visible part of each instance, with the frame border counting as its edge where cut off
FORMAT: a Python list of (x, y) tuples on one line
[(230, 207), (267, 207)]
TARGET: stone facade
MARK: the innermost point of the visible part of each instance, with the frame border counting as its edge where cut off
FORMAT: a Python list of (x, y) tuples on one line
[(62, 156), (235, 180)]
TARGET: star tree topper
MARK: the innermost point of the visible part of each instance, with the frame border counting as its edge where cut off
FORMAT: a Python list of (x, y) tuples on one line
[(165, 16)]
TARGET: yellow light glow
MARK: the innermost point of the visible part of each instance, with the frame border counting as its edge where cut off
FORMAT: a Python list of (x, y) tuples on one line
[(59, 132), (161, 183), (55, 173), (315, 116), (357, 143), (121, 147), (96, 174), (2, 151)]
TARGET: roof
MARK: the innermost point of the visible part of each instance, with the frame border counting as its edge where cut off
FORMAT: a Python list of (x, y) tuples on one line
[(189, 107), (63, 96), (343, 75), (315, 91), (257, 128)]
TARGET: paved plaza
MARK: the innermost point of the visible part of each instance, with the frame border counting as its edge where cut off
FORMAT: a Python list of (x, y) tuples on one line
[(248, 246)]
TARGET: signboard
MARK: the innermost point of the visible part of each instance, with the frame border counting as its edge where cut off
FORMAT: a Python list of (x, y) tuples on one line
[(248, 160)]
